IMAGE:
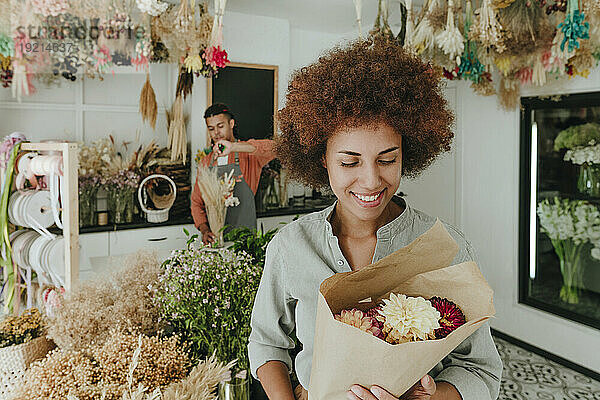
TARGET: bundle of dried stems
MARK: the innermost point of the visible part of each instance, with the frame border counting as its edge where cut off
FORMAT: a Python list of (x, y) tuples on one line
[(177, 142), (148, 107)]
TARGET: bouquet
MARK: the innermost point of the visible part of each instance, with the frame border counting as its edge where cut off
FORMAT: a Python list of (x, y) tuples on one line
[(217, 193), (417, 333), (402, 319), (570, 224), (206, 296)]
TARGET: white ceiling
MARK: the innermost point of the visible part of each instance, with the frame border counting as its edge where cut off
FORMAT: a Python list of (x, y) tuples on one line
[(332, 16)]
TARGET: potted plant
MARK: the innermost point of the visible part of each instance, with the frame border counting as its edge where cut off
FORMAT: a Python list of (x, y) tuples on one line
[(206, 296)]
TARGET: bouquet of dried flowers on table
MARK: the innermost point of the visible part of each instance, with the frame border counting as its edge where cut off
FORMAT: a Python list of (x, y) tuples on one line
[(570, 224), (217, 193), (206, 296), (583, 148)]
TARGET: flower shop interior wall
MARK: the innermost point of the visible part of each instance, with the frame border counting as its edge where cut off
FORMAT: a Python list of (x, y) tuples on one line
[(489, 217)]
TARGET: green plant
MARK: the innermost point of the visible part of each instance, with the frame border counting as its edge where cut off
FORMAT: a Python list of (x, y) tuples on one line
[(251, 241), (577, 136), (206, 296)]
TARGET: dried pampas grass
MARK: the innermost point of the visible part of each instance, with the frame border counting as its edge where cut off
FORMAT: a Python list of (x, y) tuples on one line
[(177, 142), (201, 384), (90, 310), (148, 107)]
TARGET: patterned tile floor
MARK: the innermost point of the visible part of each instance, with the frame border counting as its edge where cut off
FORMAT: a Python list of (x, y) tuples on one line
[(528, 376)]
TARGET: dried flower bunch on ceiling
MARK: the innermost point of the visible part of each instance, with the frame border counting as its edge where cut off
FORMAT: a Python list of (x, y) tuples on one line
[(518, 42)]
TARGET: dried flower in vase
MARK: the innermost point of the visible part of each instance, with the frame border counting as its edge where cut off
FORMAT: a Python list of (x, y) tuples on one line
[(202, 381)]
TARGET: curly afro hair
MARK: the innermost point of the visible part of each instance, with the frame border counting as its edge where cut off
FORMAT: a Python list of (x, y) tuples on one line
[(370, 82)]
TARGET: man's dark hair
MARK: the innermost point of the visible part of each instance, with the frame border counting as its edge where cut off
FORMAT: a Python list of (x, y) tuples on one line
[(218, 108)]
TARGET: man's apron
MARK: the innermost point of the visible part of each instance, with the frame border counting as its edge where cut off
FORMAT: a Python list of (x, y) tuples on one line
[(243, 214)]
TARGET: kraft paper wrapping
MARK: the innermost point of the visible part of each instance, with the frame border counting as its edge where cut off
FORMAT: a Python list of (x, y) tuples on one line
[(344, 355)]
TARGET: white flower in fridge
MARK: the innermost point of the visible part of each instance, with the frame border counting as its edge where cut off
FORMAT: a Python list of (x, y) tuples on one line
[(584, 155)]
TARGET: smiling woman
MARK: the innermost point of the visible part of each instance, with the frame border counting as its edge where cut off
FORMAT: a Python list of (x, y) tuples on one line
[(357, 121)]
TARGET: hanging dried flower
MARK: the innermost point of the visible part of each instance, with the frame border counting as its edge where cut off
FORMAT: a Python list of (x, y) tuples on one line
[(152, 7), (539, 72), (574, 27), (408, 319), (7, 46), (484, 87), (103, 59), (524, 75), (49, 7), (509, 93), (424, 37), (486, 27), (193, 63), (450, 40), (185, 82), (148, 106), (216, 57), (360, 320), (177, 133), (451, 316)]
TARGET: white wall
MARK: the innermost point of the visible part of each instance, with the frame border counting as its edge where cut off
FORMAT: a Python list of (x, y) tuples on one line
[(489, 217)]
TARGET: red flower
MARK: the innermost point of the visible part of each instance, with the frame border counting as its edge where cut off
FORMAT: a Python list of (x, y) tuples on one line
[(216, 57), (451, 316)]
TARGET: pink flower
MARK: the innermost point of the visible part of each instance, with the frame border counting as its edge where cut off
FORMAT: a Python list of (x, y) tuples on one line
[(360, 320), (525, 75)]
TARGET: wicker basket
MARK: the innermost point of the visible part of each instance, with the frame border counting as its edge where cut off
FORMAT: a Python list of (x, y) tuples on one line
[(14, 360)]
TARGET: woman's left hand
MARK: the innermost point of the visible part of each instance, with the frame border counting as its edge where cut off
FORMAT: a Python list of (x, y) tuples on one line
[(222, 148), (422, 390)]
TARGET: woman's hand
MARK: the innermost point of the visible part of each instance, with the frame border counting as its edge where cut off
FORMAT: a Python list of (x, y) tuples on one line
[(422, 390), (222, 148)]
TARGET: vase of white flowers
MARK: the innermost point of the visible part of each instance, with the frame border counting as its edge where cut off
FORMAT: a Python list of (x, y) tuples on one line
[(570, 225), (580, 141)]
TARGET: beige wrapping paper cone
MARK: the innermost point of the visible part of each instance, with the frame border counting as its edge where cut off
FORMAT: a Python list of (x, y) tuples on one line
[(344, 355)]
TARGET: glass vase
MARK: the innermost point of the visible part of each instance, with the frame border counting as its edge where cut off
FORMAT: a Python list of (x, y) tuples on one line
[(121, 206), (569, 254), (87, 208), (271, 200), (236, 389), (589, 180)]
